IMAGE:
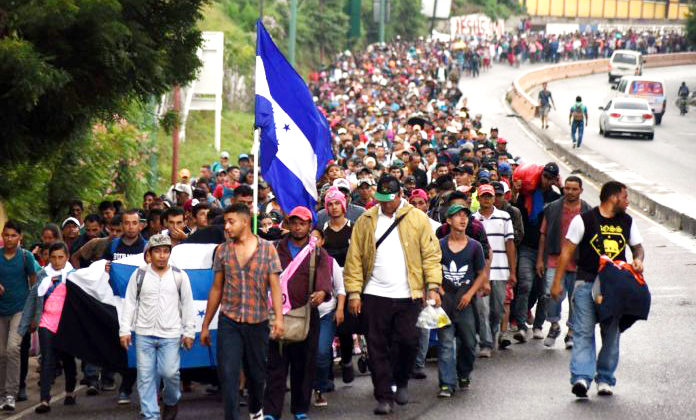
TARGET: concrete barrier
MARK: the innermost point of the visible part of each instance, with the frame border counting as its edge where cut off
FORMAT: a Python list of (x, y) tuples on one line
[(525, 106)]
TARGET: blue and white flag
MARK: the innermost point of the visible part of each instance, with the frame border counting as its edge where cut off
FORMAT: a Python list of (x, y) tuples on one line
[(295, 141), (94, 300)]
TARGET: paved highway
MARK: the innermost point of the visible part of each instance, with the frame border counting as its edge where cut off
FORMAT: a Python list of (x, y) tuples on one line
[(656, 371)]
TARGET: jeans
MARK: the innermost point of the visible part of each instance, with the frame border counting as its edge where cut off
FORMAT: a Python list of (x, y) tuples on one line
[(49, 356), (577, 127), (10, 343), (526, 277), (327, 332), (464, 328), (423, 345), (490, 313), (157, 359), (584, 362), (241, 345), (549, 309)]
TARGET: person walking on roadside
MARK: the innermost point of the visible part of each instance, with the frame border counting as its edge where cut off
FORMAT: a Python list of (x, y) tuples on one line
[(17, 275), (554, 227), (245, 267), (158, 306), (463, 274), (545, 103), (578, 121), (393, 262), (604, 230)]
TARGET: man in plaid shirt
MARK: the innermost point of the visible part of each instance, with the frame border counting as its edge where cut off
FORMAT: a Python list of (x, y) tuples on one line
[(245, 267)]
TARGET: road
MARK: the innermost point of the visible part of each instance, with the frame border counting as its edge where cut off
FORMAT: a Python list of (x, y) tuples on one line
[(655, 374)]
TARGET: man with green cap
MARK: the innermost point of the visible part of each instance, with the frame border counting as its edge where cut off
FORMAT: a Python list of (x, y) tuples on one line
[(463, 274)]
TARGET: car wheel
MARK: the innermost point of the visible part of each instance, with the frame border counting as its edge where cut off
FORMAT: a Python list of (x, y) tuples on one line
[(611, 79), (658, 119), (600, 130), (650, 136)]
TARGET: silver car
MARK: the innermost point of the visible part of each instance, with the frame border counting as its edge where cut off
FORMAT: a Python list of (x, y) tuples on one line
[(629, 116)]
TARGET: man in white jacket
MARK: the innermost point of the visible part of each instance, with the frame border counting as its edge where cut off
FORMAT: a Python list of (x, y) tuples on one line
[(159, 307)]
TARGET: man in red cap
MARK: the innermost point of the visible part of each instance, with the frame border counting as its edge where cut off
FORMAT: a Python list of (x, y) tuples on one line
[(501, 148), (299, 358), (501, 236)]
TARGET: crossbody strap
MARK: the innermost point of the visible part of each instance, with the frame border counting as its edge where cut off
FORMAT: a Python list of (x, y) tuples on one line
[(312, 265), (393, 225)]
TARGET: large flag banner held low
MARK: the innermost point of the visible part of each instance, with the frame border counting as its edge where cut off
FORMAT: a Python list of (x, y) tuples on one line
[(295, 143), (94, 299)]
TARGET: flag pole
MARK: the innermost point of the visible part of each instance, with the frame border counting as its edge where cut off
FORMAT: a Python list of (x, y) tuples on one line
[(255, 153)]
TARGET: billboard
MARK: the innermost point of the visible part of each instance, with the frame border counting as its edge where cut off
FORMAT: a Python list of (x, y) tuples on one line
[(475, 24)]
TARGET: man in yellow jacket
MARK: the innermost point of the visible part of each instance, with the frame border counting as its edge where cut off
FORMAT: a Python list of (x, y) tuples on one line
[(393, 262)]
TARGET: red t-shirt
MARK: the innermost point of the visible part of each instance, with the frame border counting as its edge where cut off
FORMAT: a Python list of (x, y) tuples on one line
[(566, 216), (217, 193)]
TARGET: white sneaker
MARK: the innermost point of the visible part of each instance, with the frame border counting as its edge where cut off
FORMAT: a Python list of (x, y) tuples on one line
[(3, 401), (537, 333), (9, 403), (485, 353), (604, 389), (580, 388), (257, 416)]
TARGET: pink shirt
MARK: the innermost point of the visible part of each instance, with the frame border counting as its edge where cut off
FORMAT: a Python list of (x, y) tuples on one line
[(53, 307)]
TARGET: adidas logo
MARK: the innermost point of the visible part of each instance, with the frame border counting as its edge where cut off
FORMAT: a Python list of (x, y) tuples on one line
[(454, 274)]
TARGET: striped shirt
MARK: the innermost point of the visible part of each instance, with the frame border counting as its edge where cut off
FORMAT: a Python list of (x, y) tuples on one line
[(498, 230)]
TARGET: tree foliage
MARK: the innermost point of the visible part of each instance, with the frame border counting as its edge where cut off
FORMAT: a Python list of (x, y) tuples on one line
[(405, 20), (691, 25), (65, 63)]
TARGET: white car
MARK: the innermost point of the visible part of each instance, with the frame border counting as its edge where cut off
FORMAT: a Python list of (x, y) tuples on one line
[(651, 89), (625, 63), (627, 116)]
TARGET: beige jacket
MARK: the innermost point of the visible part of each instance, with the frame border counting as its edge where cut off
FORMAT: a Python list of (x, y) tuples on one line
[(421, 251)]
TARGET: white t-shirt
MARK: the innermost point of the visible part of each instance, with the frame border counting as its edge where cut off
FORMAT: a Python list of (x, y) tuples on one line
[(389, 276), (338, 289), (576, 231), (498, 230)]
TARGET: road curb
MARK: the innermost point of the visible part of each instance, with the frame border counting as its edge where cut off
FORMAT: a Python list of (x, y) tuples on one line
[(662, 213)]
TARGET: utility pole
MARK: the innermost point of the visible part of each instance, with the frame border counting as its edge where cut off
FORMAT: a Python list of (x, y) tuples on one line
[(175, 135), (293, 32), (432, 21), (261, 10), (382, 18)]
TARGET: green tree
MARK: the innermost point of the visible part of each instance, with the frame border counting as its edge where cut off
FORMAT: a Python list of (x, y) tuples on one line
[(691, 25), (405, 20), (65, 64)]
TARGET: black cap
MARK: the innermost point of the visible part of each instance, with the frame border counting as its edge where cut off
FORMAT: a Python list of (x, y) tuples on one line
[(498, 187), (387, 188), (551, 169)]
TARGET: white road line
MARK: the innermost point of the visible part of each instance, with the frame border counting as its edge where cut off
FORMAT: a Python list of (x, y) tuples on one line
[(31, 409), (677, 238)]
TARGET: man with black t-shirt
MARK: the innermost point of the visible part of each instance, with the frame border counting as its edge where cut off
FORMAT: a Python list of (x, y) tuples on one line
[(463, 274), (604, 230)]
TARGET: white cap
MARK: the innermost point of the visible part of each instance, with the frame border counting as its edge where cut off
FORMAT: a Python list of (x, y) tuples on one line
[(225, 155), (341, 183), (342, 131)]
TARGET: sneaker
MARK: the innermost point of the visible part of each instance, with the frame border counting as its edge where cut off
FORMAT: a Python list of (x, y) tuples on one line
[(568, 341), (123, 399), (580, 388), (484, 353), (383, 408), (401, 395), (464, 383), (520, 335), (69, 400), (257, 416), (319, 400), (92, 390), (22, 394), (604, 389), (537, 333), (9, 403), (553, 334), (269, 417), (504, 341), (347, 373), (301, 416), (418, 373), (445, 392), (42, 408)]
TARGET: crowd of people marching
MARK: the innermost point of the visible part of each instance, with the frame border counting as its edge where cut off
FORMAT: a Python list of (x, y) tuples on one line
[(422, 203)]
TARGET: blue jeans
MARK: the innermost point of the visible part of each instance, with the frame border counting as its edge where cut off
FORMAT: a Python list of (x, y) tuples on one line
[(157, 359), (449, 365), (327, 332), (548, 309), (526, 276), (423, 345), (584, 362), (577, 127), (490, 313)]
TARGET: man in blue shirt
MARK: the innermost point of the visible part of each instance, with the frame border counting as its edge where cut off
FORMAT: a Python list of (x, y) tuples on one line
[(17, 274)]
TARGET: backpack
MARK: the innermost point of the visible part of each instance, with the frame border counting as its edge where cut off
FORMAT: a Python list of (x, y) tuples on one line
[(578, 113), (140, 276)]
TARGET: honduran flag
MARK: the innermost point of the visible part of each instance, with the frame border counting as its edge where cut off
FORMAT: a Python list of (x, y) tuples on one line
[(89, 323)]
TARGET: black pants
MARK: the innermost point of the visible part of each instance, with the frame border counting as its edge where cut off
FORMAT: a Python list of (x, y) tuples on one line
[(392, 341), (24, 360), (345, 331), (241, 346), (49, 356), (300, 360)]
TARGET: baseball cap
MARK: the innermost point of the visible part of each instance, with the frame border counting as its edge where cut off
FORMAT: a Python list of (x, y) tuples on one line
[(225, 155), (368, 181), (452, 210), (469, 146), (485, 189), (551, 169), (342, 183), (183, 188), (498, 187), (342, 131), (70, 220), (243, 156), (302, 213), (504, 168), (158, 240), (502, 141), (484, 175), (388, 187), (418, 193)]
